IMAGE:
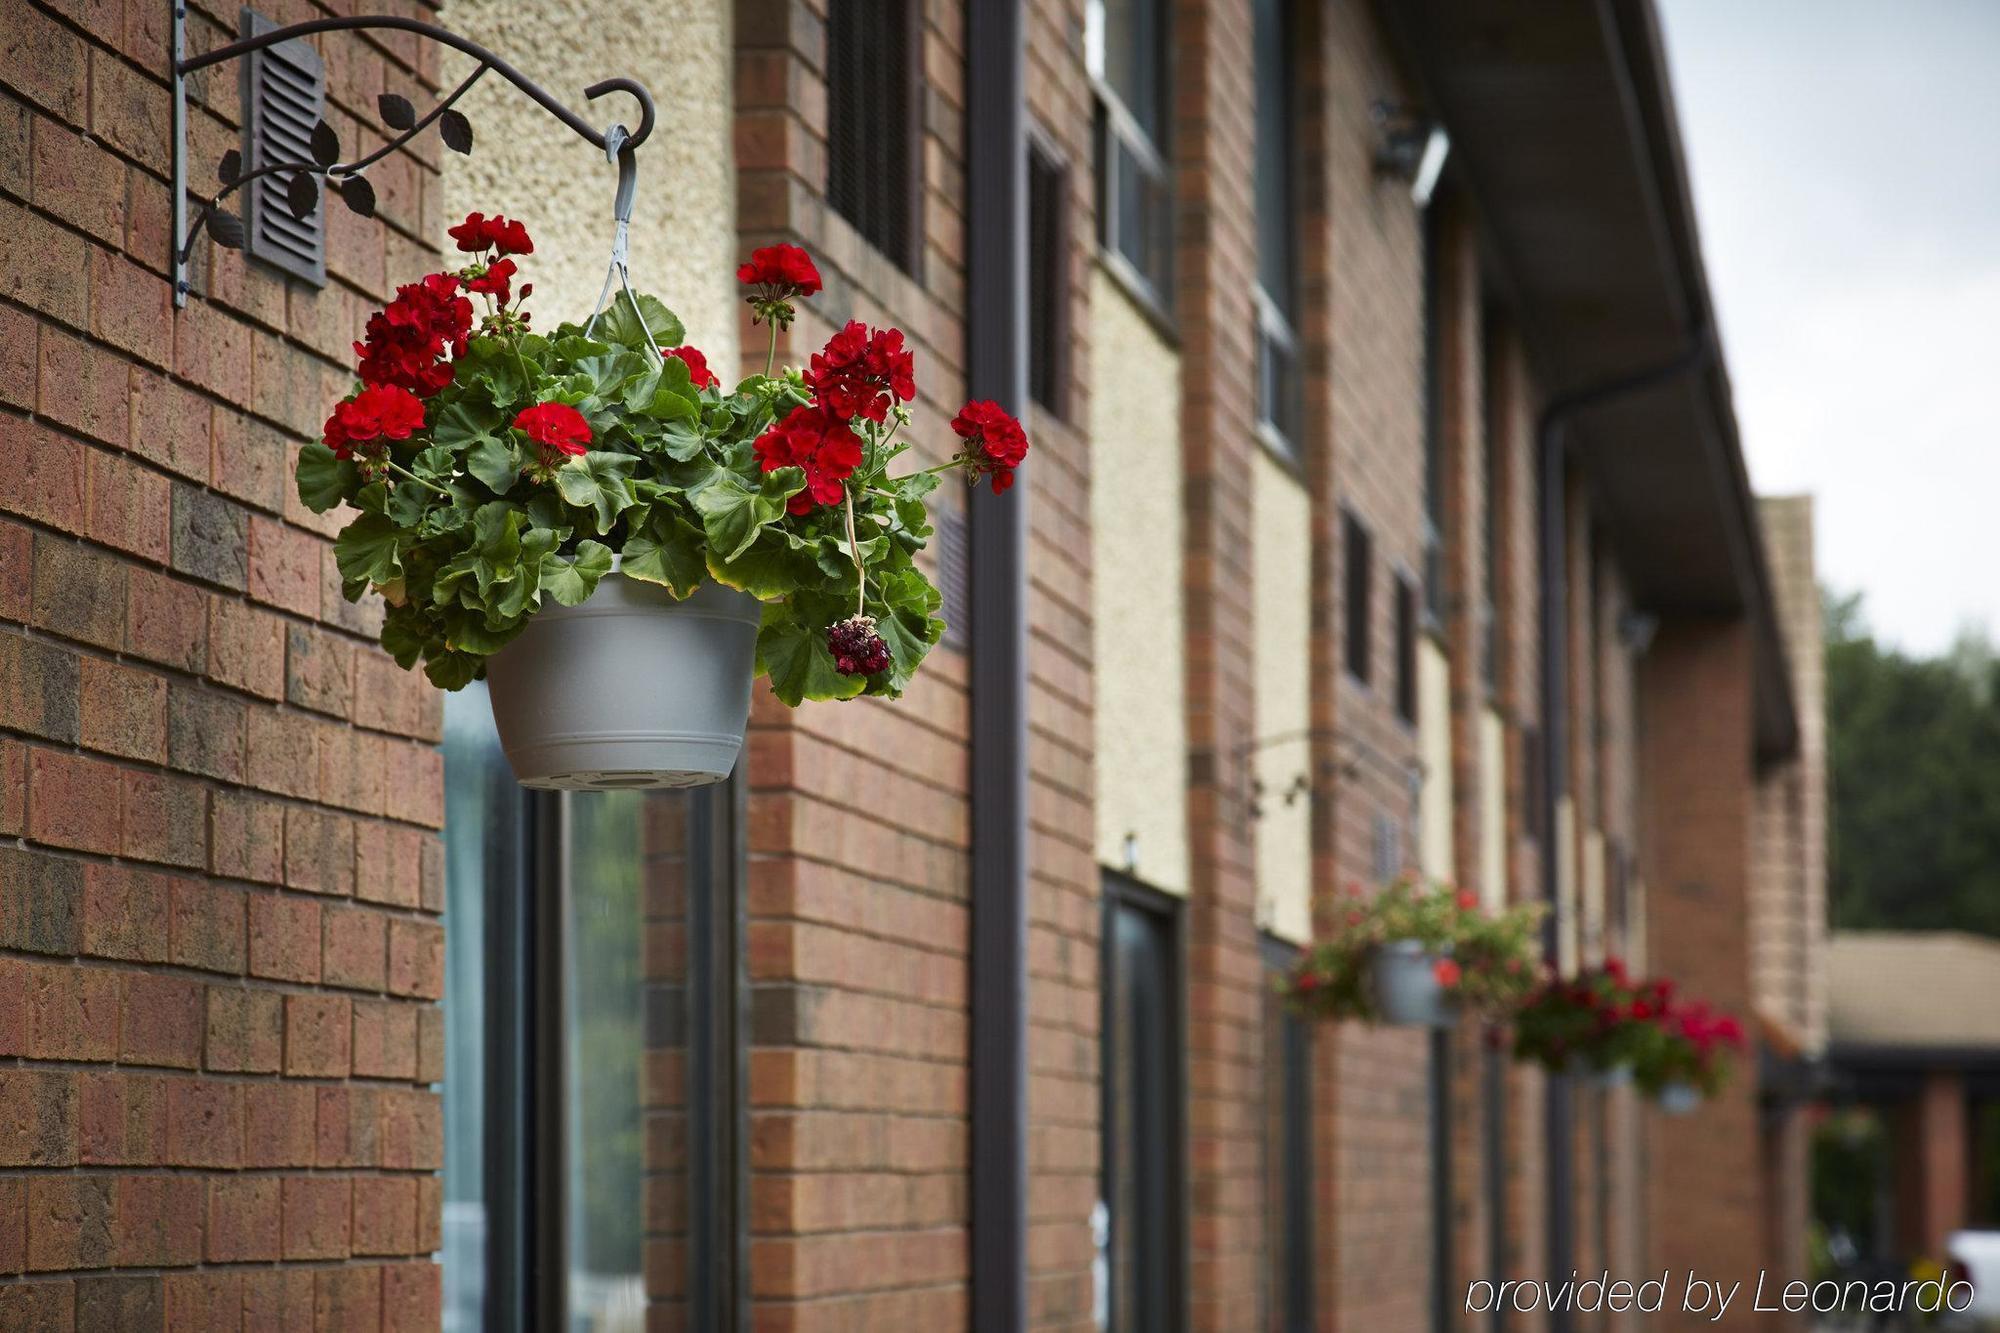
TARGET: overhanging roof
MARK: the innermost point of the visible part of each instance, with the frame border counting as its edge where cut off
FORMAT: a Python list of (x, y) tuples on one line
[(1913, 991), (1563, 128)]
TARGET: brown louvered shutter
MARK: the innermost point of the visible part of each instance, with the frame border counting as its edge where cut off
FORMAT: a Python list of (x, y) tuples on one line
[(872, 122), (284, 96), (954, 576)]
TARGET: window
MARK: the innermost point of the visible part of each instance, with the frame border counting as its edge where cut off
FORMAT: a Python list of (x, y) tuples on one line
[(1288, 1169), (1406, 649), (1434, 445), (1139, 1263), (1048, 277), (565, 1162), (1356, 557), (1278, 391), (872, 123), (1125, 46), (1532, 795)]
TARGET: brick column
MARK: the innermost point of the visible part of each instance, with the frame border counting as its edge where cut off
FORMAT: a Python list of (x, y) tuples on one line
[(1706, 1207), (219, 876), (1933, 1165)]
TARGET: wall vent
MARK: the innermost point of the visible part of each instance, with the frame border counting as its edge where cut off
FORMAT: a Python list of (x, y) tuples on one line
[(284, 97)]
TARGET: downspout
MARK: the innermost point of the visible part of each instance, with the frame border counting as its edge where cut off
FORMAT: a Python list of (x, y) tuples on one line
[(996, 361), (1553, 467)]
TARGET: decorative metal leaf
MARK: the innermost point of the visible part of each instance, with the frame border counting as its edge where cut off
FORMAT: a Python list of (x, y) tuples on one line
[(325, 144), (302, 195), (396, 111), (357, 194), (455, 130), (226, 228), (230, 167)]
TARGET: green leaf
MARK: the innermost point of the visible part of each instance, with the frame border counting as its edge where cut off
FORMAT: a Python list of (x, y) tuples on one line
[(732, 514), (466, 424), (599, 482), (796, 658), (669, 553), (571, 581), (366, 552), (681, 441), (496, 463), (769, 569), (621, 325), (609, 373), (496, 366), (454, 671), (323, 480)]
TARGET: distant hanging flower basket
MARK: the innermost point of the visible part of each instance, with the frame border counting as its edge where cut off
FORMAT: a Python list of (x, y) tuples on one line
[(501, 475), (1606, 1022)]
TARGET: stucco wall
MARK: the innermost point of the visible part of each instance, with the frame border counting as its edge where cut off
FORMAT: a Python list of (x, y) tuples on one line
[(1137, 604), (528, 165), (1282, 558)]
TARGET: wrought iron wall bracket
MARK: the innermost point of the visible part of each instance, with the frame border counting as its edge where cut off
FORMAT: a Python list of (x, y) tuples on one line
[(348, 179)]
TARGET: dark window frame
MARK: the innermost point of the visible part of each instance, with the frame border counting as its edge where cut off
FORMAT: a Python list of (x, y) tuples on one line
[(1167, 1222), (1049, 290), (1436, 459), (1408, 615), (896, 106), (1290, 1286), (1357, 573)]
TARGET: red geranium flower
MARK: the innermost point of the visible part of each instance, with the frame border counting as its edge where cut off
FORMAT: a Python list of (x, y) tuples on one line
[(995, 444), (776, 274), (1467, 900), (1447, 972), (378, 413), (698, 372), (404, 340), (859, 369), (496, 281), (557, 428), (824, 446), (479, 232)]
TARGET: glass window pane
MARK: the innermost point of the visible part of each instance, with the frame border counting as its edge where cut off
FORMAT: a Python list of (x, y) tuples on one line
[(1274, 151), (1135, 60)]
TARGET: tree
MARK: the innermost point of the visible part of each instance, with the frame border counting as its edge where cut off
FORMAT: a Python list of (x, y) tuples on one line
[(1914, 777)]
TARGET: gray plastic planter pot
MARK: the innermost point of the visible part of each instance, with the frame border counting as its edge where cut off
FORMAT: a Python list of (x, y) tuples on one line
[(631, 689), (1679, 1098), (1407, 993)]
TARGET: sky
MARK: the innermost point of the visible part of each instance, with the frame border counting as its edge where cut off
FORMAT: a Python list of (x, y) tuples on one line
[(1846, 166)]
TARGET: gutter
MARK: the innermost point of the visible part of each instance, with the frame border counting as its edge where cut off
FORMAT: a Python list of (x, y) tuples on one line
[(997, 368)]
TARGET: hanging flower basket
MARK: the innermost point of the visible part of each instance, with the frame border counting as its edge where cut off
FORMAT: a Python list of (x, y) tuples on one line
[(589, 520), (1678, 1099), (1592, 1025), (1416, 956)]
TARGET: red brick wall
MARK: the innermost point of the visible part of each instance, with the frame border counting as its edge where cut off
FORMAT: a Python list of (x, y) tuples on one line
[(218, 933)]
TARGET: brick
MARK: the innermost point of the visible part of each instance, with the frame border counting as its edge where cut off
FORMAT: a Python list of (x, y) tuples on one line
[(385, 1214), (284, 566), (13, 1229), (130, 110), (124, 710), (170, 425), (129, 506), (319, 851), (69, 1222), (212, 351), (122, 1120), (79, 593), (431, 881), (279, 1124), (430, 1044), (412, 1135), (16, 135), (385, 1040), (283, 754), (212, 1298), (72, 1014), (245, 1030), (17, 567), (354, 948), (247, 837), (131, 309), (42, 265), (164, 819), (38, 1117), (128, 1304), (42, 475), (83, 388), (204, 1123), (284, 937), (246, 648), (19, 349), (317, 1210), (277, 1300), (40, 688), (353, 769), (13, 788), (387, 864), (158, 1221), (318, 1036), (41, 901), (205, 733), (416, 958), (73, 801), (210, 538), (244, 1220), (47, 1307), (207, 930), (75, 178), (319, 670), (123, 909), (253, 463), (349, 1126), (162, 1020), (166, 621)]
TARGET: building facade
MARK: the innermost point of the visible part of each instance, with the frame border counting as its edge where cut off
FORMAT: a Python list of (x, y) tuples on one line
[(1385, 517)]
